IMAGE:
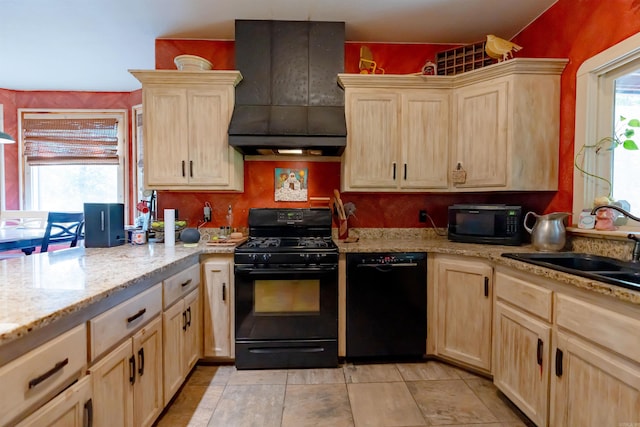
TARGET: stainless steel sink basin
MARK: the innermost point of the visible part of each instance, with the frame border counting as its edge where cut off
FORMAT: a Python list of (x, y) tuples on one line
[(604, 269)]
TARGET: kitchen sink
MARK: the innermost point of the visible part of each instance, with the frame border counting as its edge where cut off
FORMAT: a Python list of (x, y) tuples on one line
[(609, 270)]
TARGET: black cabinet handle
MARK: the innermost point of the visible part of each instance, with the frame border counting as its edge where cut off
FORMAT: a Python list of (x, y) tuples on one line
[(189, 316), (141, 361), (539, 352), (224, 292), (559, 357), (88, 410), (137, 315), (58, 366), (191, 168), (187, 283), (184, 320), (394, 171), (486, 287), (183, 168), (132, 370), (405, 171)]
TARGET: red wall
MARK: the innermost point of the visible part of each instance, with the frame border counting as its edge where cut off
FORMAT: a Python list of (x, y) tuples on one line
[(569, 29)]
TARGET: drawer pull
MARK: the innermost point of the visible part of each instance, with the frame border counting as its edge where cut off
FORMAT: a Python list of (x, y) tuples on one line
[(559, 357), (539, 354), (486, 287), (137, 315), (187, 283), (132, 370), (189, 316), (88, 409), (58, 366), (224, 292), (184, 320), (141, 361)]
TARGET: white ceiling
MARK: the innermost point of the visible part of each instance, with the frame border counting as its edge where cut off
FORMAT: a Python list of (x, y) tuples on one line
[(88, 45)]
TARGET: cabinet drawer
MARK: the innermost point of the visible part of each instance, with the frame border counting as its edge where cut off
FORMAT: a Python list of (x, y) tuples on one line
[(180, 284), (608, 328), (121, 321), (38, 375), (524, 295)]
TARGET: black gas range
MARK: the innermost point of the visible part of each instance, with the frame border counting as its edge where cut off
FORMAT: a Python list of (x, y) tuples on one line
[(286, 291)]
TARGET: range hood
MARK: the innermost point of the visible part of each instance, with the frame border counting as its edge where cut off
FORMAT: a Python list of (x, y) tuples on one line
[(289, 97)]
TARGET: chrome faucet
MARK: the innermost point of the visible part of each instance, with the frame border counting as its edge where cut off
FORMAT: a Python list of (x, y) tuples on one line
[(635, 256)]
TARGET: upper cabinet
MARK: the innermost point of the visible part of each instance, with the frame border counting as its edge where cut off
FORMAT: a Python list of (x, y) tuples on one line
[(186, 118), (492, 129)]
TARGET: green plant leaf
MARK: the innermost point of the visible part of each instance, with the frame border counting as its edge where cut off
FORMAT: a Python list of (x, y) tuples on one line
[(634, 123), (629, 144)]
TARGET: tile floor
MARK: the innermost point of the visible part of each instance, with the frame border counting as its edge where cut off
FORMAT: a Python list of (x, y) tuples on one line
[(407, 394)]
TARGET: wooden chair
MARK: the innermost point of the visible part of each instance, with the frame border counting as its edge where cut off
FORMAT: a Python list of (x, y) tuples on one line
[(23, 219), (63, 227)]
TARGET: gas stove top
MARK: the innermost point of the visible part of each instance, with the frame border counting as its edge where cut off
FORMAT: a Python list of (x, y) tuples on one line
[(287, 243)]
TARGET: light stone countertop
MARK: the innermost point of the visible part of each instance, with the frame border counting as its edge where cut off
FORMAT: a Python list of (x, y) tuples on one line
[(492, 253)]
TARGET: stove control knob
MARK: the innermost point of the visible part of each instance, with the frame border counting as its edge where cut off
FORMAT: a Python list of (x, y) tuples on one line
[(253, 258), (266, 257), (316, 258), (305, 258)]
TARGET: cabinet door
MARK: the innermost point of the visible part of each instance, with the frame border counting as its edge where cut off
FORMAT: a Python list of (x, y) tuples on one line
[(592, 387), (480, 135), (166, 151), (217, 309), (193, 334), (464, 301), (147, 349), (113, 380), (425, 139), (175, 324), (71, 408), (522, 358), (371, 156), (209, 116)]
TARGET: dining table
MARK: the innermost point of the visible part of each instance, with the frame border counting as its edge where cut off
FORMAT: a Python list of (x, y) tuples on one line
[(25, 239)]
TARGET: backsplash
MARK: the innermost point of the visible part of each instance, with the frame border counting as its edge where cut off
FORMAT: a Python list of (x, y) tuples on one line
[(614, 248)]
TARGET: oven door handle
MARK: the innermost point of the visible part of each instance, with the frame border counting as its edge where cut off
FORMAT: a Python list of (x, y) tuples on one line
[(253, 271)]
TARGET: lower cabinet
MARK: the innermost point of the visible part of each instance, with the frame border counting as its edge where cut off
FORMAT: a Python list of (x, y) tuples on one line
[(127, 382), (71, 408), (218, 308), (181, 341), (522, 344), (595, 377), (462, 291)]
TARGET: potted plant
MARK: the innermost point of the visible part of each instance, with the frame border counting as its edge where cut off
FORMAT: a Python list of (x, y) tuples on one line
[(622, 137)]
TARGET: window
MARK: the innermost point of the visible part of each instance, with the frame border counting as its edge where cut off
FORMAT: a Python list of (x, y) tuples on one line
[(607, 87), (72, 157)]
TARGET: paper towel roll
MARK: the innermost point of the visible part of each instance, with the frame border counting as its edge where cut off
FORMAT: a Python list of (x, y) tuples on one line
[(169, 227)]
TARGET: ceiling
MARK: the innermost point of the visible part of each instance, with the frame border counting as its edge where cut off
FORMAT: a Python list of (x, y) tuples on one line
[(80, 45)]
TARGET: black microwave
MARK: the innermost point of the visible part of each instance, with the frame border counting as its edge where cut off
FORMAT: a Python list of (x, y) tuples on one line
[(489, 224)]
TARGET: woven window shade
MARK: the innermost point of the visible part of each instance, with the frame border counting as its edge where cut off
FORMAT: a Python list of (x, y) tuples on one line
[(70, 140)]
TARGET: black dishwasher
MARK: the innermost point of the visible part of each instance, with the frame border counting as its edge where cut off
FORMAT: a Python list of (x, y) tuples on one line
[(386, 305)]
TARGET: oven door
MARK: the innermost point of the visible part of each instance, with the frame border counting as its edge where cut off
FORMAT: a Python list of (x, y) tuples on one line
[(286, 303)]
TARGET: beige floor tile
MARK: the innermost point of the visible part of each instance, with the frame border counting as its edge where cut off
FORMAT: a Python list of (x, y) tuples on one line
[(515, 424), (210, 374), (258, 376), (449, 402), (315, 376), (195, 402), (249, 406), (429, 370), (383, 404), (371, 373), (493, 399), (317, 405), (172, 419)]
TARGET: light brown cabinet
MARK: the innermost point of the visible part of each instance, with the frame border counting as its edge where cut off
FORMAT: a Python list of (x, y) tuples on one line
[(498, 124), (185, 123), (463, 293), (127, 382), (218, 308), (397, 138), (522, 344)]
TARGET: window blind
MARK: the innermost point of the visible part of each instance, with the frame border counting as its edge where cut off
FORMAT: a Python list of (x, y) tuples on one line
[(70, 140)]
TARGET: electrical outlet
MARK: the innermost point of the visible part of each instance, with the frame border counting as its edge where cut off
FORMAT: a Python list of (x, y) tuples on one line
[(207, 214), (422, 216)]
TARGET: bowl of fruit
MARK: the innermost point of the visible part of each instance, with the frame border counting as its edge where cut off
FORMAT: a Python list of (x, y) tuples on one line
[(158, 228)]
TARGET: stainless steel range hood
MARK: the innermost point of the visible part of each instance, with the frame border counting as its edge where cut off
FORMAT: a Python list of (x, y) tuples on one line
[(289, 98)]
